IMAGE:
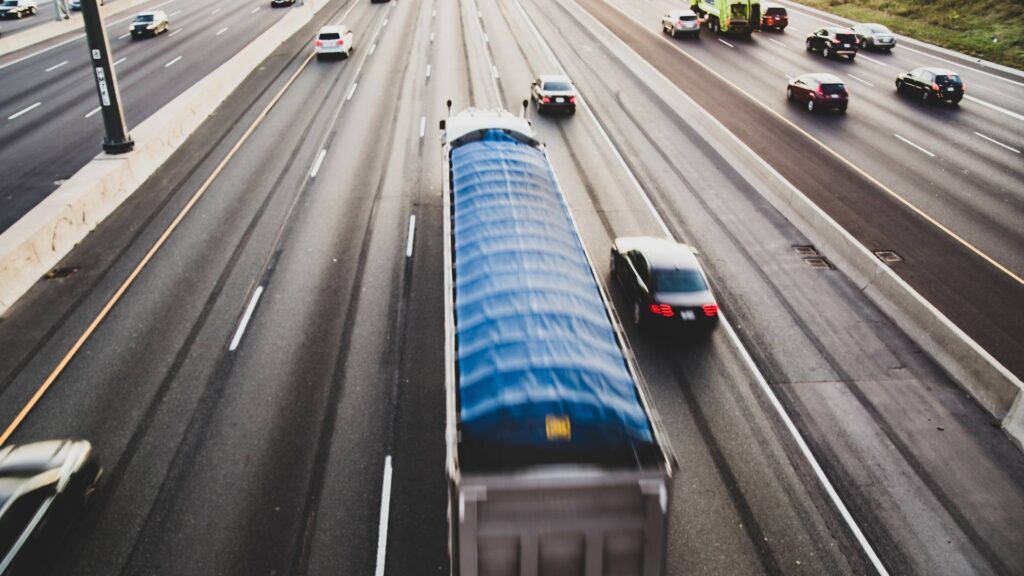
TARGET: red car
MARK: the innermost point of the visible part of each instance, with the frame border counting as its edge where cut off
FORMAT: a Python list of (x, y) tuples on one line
[(819, 91)]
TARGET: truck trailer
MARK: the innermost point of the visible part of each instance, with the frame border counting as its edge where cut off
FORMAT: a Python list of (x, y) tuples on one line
[(729, 16), (555, 463)]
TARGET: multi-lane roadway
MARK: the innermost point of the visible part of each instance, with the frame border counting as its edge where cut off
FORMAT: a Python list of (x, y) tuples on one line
[(249, 383)]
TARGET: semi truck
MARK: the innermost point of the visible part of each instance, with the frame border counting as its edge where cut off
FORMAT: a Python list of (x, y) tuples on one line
[(556, 463), (729, 16)]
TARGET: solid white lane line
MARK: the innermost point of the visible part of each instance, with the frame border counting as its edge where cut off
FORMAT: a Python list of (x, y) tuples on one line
[(861, 80), (119, 60), (861, 56), (487, 40), (385, 509), (254, 10), (433, 13), (172, 62), (55, 66), (316, 164), (123, 36), (777, 42), (221, 31), (245, 318), (412, 235), (914, 145), (751, 365), (431, 37), (24, 111), (726, 43), (495, 70), (428, 70), (176, 12), (788, 77), (372, 48), (1009, 113), (997, 142), (423, 126), (94, 110), (385, 23), (351, 91), (173, 32), (214, 11)]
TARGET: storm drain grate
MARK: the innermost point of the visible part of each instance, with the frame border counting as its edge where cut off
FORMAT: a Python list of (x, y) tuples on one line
[(61, 272), (888, 256), (819, 262), (805, 250)]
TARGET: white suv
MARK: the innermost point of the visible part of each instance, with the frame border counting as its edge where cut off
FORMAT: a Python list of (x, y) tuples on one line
[(679, 22), (333, 40)]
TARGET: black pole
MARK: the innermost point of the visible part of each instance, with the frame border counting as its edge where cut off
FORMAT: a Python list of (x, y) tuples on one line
[(117, 140)]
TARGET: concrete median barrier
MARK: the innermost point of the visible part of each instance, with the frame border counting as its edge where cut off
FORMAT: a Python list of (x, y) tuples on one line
[(35, 243)]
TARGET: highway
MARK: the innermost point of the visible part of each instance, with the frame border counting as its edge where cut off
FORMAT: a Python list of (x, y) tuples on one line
[(249, 386), (49, 121)]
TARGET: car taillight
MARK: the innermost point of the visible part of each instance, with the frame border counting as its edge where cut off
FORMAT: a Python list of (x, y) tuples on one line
[(546, 100), (662, 310), (710, 310), (963, 87), (935, 87), (341, 42), (835, 40), (572, 99), (319, 43)]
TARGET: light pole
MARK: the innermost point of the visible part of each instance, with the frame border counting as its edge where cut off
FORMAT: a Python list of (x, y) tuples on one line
[(117, 140)]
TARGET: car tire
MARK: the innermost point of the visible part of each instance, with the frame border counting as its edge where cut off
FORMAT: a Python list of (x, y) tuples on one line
[(611, 263), (826, 52), (925, 97), (955, 101), (20, 15), (789, 94), (899, 87), (319, 57), (842, 109), (810, 48), (810, 105), (851, 57), (637, 318)]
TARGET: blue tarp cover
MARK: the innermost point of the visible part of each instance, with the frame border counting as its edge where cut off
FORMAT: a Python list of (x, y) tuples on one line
[(535, 345)]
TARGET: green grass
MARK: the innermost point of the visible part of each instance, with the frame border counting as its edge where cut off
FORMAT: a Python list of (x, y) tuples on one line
[(989, 29)]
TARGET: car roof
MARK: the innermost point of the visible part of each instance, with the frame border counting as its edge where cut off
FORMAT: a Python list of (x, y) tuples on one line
[(682, 12), (837, 29), (939, 71), (661, 253), (340, 28), (150, 13), (545, 78), (823, 78)]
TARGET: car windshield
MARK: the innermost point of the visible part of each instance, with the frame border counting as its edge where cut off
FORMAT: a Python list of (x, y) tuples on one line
[(329, 35), (558, 86), (948, 80), (144, 18), (679, 281), (832, 88)]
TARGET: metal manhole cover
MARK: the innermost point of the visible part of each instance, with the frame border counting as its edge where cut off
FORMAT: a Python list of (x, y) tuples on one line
[(61, 272), (819, 262), (805, 250), (888, 256)]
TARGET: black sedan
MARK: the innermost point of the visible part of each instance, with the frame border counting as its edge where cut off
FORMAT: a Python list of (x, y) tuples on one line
[(831, 42), (43, 487), (932, 85), (819, 92), (281, 3), (664, 284)]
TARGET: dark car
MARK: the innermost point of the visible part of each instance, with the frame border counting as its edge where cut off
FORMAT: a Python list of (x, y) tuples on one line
[(43, 487), (819, 91), (664, 284), (932, 85), (833, 42), (774, 18), (554, 93), (281, 3)]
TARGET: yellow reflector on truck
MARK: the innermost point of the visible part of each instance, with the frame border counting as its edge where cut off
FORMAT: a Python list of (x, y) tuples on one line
[(558, 428)]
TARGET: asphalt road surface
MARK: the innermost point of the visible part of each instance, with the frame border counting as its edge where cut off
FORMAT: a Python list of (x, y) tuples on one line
[(248, 388)]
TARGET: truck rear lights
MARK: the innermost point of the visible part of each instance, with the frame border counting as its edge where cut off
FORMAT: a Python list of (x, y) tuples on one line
[(662, 310), (710, 310)]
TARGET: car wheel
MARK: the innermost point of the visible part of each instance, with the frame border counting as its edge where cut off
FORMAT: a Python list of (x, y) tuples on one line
[(842, 109), (826, 52), (925, 97), (611, 263), (955, 101), (899, 87), (809, 47), (851, 57), (810, 105), (319, 57), (20, 15), (789, 93), (637, 320)]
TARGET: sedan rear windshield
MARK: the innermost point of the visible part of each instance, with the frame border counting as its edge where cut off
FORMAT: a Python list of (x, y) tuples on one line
[(330, 36), (558, 86), (833, 88), (144, 18), (953, 80), (846, 38), (679, 281), (775, 12), (688, 17)]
